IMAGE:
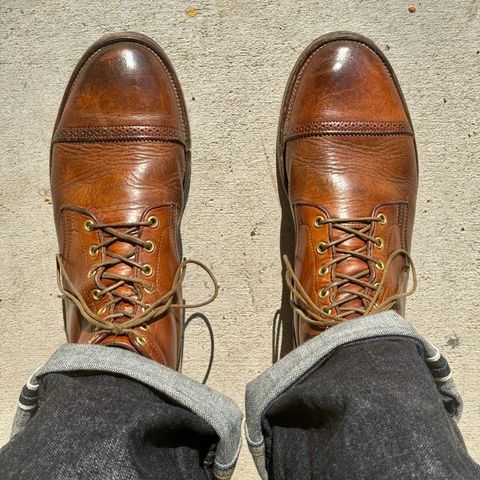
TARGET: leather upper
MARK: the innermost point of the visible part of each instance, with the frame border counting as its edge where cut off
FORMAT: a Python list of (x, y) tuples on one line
[(347, 151), (120, 156)]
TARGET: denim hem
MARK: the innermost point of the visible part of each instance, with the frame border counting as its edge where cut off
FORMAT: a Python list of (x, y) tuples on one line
[(269, 385), (214, 408)]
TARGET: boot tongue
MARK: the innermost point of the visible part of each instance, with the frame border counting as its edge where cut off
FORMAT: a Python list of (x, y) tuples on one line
[(121, 248), (351, 266)]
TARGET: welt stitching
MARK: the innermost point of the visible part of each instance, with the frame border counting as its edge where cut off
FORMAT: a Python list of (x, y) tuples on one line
[(93, 128), (348, 134), (302, 71), (69, 233), (120, 140), (342, 126), (387, 247), (404, 223), (353, 122), (90, 129), (117, 126), (84, 257), (170, 76), (159, 251), (176, 229), (133, 133), (66, 226), (309, 233), (66, 137), (401, 218), (91, 134), (70, 217), (154, 346)]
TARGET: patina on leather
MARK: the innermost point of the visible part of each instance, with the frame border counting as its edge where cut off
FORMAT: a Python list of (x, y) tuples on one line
[(120, 168), (347, 157)]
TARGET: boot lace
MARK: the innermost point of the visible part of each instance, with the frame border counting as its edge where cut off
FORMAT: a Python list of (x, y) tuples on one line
[(125, 233), (368, 293)]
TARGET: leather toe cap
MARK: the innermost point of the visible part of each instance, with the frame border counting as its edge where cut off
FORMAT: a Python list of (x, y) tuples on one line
[(340, 82), (123, 81)]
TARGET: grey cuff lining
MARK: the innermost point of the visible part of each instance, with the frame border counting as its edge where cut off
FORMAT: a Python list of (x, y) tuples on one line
[(269, 385), (216, 409)]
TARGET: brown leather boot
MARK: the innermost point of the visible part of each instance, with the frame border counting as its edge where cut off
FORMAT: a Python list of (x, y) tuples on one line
[(347, 154), (120, 168)]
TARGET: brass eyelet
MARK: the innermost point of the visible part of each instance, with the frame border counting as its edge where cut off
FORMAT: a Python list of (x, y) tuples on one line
[(91, 273), (144, 327), (323, 293), (382, 218), (142, 340), (380, 265), (149, 246), (147, 270), (153, 221), (321, 250), (376, 285), (326, 310), (322, 270), (101, 311), (96, 294), (318, 222), (93, 250), (379, 243), (150, 288), (88, 225)]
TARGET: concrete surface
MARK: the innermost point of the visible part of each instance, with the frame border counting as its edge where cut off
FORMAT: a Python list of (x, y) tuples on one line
[(233, 58)]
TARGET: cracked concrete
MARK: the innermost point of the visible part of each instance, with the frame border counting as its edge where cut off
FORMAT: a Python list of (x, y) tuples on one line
[(233, 58)]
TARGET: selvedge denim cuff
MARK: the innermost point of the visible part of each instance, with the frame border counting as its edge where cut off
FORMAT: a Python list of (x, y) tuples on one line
[(277, 379), (217, 410)]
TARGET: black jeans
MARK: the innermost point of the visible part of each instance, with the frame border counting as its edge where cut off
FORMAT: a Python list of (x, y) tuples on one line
[(371, 411)]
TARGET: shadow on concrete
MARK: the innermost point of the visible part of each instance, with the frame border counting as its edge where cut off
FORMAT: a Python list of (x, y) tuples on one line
[(282, 334)]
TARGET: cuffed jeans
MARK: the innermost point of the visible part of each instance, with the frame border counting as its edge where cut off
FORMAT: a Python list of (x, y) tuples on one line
[(368, 399)]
